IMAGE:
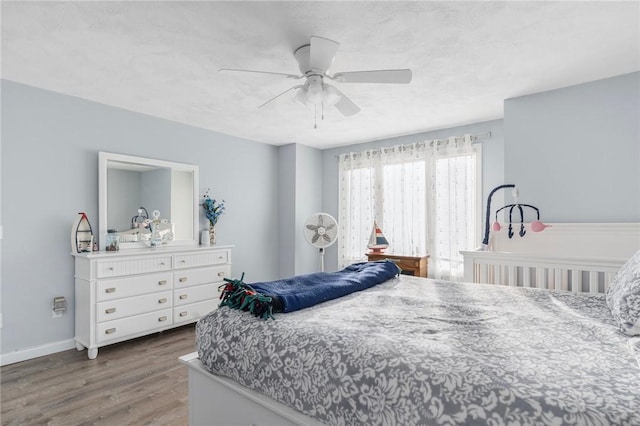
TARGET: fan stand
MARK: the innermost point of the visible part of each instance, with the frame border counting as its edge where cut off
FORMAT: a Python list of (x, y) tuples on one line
[(321, 251)]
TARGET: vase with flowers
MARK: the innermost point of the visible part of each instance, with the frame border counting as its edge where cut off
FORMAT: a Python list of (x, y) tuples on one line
[(213, 210)]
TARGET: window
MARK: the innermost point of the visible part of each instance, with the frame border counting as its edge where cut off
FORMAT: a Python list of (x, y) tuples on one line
[(423, 196), (456, 219)]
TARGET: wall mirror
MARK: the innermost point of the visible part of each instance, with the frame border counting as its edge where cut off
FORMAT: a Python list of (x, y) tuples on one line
[(131, 189)]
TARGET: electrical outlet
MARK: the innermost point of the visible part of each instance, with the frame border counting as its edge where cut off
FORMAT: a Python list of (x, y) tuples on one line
[(59, 306)]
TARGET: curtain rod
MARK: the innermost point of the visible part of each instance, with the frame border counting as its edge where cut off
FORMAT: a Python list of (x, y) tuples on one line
[(474, 139)]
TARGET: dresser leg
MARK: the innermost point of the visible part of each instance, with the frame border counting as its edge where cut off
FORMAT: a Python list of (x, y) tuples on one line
[(79, 347), (92, 353)]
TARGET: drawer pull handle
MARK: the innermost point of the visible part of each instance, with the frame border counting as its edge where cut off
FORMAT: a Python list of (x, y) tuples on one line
[(221, 274), (220, 257), (183, 280), (183, 261), (161, 263), (110, 268), (110, 330), (183, 313), (163, 300), (162, 319), (109, 311), (183, 296), (163, 282), (110, 290)]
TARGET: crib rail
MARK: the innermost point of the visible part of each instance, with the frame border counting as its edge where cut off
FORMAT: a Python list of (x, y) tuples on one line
[(554, 273), (577, 257)]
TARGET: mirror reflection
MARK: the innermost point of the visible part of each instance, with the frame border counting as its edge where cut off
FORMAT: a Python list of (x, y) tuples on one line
[(147, 202)]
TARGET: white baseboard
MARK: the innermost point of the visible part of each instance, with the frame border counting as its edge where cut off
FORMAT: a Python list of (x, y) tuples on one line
[(37, 351)]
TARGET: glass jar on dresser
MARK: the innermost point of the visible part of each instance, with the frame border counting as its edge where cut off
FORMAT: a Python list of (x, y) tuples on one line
[(127, 294)]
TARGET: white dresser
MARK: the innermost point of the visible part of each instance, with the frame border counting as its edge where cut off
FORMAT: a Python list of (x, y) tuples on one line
[(131, 293)]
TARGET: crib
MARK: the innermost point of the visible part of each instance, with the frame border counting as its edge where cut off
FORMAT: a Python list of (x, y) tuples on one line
[(577, 257)]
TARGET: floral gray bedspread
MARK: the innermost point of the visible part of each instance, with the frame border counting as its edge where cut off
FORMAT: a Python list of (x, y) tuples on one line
[(422, 352)]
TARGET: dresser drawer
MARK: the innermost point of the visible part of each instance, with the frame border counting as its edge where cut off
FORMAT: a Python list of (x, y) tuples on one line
[(141, 265), (193, 311), (133, 286), (129, 306), (198, 276), (116, 329), (192, 260), (196, 294)]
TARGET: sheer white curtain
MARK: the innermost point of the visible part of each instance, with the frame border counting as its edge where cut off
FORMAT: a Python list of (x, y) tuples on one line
[(385, 185), (357, 196), (421, 195), (451, 204)]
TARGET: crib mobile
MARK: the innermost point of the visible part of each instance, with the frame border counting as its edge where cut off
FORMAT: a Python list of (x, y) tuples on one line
[(536, 225)]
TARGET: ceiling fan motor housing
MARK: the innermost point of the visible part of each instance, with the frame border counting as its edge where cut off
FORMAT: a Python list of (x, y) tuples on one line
[(302, 57), (312, 93)]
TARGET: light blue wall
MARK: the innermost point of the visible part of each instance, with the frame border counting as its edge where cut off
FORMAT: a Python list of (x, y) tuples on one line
[(308, 201), (300, 182), (287, 211), (575, 152), (50, 145), (492, 165)]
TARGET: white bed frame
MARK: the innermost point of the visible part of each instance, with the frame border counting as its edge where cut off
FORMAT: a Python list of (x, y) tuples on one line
[(217, 400), (576, 257)]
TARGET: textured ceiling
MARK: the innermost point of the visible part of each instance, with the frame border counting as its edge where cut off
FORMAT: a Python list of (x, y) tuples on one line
[(161, 59)]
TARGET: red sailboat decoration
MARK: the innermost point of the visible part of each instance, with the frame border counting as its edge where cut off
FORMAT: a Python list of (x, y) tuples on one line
[(377, 240), (81, 235)]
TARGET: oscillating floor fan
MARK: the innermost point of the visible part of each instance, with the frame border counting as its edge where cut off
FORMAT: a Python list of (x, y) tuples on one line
[(321, 230)]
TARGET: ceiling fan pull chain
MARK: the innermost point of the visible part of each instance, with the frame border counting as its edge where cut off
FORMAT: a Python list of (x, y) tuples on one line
[(322, 111), (315, 116)]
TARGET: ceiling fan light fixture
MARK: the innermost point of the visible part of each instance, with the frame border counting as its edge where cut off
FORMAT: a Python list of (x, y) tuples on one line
[(314, 90), (301, 96)]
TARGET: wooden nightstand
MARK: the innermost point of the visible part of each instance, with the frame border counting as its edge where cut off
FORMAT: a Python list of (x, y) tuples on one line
[(410, 265)]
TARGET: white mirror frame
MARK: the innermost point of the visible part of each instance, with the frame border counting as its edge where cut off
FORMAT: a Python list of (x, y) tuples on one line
[(105, 157)]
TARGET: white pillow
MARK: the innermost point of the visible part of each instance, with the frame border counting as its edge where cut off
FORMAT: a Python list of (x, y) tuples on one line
[(623, 296)]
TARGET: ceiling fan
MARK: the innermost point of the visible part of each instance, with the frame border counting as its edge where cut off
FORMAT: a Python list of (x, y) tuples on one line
[(314, 60)]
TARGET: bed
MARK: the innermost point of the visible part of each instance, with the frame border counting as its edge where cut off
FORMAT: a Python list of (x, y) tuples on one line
[(421, 351)]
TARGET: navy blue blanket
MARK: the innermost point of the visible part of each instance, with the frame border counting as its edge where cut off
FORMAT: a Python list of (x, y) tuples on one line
[(302, 291)]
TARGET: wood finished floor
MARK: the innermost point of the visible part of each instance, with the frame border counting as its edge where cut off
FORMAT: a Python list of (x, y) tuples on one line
[(138, 382)]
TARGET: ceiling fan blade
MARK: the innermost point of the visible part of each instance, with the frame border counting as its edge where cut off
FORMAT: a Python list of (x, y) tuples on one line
[(260, 72), (322, 52), (379, 76), (277, 96), (345, 106)]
